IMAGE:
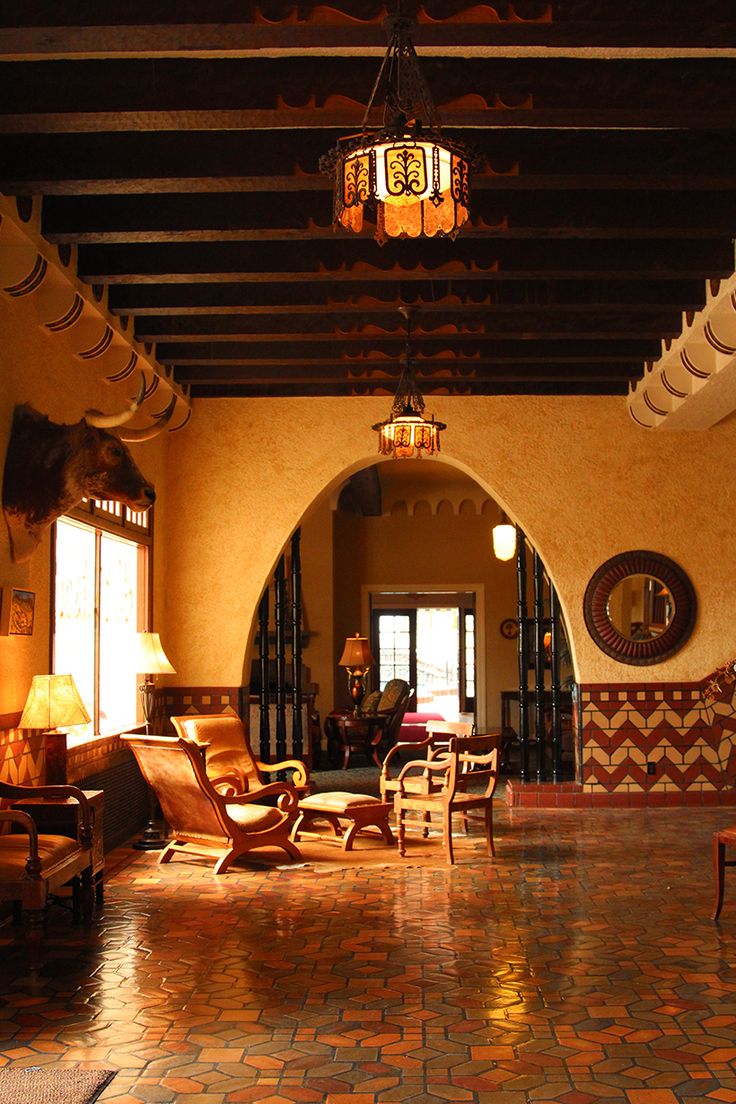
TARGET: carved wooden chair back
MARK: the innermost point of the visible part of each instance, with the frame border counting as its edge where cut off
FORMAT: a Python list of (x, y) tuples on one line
[(230, 763), (437, 739)]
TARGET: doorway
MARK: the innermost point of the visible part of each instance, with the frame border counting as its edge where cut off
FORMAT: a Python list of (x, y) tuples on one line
[(428, 640)]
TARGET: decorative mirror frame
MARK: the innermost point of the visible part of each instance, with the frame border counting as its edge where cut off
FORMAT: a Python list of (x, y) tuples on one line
[(639, 653)]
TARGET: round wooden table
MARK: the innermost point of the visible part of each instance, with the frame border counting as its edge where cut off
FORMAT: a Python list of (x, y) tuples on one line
[(350, 733)]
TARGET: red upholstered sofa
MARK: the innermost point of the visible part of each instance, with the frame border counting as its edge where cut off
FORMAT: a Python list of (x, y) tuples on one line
[(413, 727)]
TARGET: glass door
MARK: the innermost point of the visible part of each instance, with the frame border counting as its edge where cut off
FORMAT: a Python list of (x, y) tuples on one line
[(433, 649)]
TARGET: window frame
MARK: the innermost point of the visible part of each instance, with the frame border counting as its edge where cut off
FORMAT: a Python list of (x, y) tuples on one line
[(116, 520)]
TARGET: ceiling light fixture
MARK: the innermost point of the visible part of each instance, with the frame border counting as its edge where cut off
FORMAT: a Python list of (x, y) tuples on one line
[(407, 433), (504, 539), (417, 180)]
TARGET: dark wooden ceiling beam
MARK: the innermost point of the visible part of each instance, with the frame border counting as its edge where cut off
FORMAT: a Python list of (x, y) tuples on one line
[(265, 217), (284, 154), (580, 354), (376, 299), (501, 386), (243, 39), (359, 262), (620, 320), (322, 119), (333, 92), (612, 368)]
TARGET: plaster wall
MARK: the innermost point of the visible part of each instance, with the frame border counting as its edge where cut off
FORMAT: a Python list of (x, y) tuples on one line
[(579, 476)]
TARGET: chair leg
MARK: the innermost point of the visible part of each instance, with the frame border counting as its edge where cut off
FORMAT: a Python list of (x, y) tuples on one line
[(427, 820), (292, 851), (489, 830), (447, 832), (719, 857), (401, 831)]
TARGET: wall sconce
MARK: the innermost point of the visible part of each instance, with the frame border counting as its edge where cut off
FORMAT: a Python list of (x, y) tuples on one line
[(54, 704), (504, 539), (357, 659)]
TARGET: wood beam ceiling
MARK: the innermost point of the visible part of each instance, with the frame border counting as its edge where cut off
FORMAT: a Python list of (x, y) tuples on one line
[(175, 148)]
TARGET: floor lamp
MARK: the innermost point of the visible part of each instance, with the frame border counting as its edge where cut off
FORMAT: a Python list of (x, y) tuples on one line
[(151, 660)]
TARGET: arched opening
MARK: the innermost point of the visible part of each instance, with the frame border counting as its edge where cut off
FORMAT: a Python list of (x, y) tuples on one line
[(401, 554)]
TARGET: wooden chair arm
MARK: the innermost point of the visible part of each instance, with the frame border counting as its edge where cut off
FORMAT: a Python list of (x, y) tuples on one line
[(26, 822), (20, 793), (426, 766), (289, 798), (399, 746), (300, 777)]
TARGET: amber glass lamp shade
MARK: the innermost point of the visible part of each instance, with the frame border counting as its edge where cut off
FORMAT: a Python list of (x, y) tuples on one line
[(357, 659)]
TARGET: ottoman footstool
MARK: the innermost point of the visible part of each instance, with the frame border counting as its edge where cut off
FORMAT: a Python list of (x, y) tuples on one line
[(359, 810)]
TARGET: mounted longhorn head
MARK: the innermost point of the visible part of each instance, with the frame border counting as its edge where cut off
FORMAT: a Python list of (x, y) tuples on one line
[(50, 468), (114, 421)]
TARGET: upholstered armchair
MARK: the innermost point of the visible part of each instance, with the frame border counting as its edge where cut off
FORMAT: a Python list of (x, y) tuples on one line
[(203, 821), (390, 704), (230, 763)]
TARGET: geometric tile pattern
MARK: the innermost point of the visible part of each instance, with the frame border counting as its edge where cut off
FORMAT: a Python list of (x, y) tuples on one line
[(580, 966), (179, 700), (22, 758), (654, 738)]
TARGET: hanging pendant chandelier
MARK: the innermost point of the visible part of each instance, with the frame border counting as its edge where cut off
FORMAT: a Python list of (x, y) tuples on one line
[(417, 181), (407, 433)]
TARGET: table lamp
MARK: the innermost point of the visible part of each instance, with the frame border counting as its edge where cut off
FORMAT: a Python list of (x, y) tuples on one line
[(53, 704), (357, 659), (151, 660)]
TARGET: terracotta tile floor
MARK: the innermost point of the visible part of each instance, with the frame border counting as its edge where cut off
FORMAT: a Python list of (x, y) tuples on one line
[(581, 966)]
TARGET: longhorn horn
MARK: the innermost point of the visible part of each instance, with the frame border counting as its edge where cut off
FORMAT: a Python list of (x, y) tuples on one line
[(162, 420), (110, 421)]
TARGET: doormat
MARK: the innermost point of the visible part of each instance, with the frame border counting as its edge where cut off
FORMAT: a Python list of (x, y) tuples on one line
[(38, 1085)]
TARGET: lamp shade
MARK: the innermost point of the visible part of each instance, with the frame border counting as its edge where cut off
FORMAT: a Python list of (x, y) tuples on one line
[(504, 541), (151, 658), (53, 702), (356, 653)]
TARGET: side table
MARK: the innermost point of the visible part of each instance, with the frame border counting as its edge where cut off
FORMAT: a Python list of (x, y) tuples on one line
[(62, 817), (350, 733)]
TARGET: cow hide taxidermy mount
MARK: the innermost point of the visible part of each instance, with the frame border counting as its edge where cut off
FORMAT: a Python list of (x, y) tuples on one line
[(50, 468)]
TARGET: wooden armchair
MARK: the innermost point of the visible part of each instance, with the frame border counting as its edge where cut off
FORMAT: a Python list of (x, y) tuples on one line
[(457, 780), (231, 766), (436, 740), (203, 821), (34, 866)]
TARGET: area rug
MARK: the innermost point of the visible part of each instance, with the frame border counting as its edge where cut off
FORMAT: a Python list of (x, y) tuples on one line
[(38, 1085)]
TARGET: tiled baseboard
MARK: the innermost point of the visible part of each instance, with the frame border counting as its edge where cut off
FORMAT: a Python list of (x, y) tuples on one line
[(573, 795)]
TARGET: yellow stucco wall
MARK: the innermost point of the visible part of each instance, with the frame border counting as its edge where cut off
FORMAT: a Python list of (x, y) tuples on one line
[(576, 473)]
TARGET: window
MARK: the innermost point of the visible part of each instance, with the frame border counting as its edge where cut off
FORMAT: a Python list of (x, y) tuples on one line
[(100, 589)]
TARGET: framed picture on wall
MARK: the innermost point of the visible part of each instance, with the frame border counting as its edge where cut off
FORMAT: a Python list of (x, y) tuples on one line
[(17, 609)]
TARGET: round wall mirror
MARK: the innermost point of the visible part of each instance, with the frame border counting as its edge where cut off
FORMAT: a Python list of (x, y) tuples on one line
[(639, 607)]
